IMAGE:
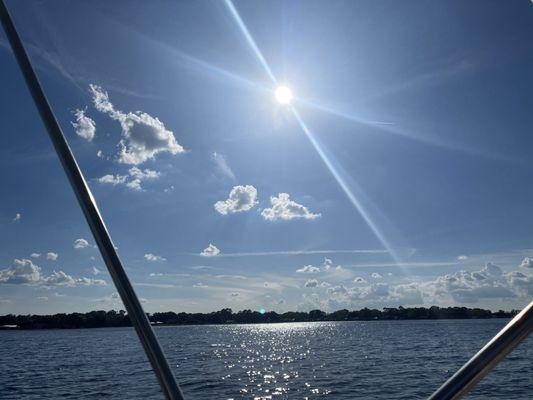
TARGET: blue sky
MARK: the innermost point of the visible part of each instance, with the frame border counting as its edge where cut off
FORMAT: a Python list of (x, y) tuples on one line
[(400, 174)]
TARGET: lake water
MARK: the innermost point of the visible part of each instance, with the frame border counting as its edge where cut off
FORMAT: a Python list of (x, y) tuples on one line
[(332, 360)]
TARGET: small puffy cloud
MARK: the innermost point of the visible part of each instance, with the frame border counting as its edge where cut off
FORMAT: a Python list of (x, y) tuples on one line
[(35, 255), (311, 283), (241, 198), (143, 136), (308, 269), (328, 263), (96, 271), (286, 209), (376, 275), (462, 258), (132, 180), (84, 126), (18, 217), (52, 256), (210, 251), (527, 262), (81, 243), (223, 166), (100, 154), (153, 258)]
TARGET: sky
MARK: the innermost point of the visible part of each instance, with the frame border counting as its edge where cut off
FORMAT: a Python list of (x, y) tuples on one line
[(399, 174)]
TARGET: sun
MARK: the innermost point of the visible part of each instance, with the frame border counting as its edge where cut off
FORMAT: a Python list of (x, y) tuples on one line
[(283, 95)]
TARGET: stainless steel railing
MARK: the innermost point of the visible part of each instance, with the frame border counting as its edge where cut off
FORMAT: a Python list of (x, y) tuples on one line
[(488, 357), (92, 214)]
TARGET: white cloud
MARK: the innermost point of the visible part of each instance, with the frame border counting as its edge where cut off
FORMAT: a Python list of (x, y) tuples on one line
[(470, 287), (99, 154), (462, 258), (223, 166), (200, 285), (153, 258), (35, 255), (376, 275), (96, 271), (527, 262), (24, 272), (210, 251), (143, 136), (80, 243), (84, 126), (308, 269), (133, 180), (52, 256), (112, 179), (286, 209), (311, 283), (17, 217), (241, 198)]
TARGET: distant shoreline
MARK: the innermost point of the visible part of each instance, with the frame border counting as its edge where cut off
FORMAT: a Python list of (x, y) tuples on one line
[(113, 319)]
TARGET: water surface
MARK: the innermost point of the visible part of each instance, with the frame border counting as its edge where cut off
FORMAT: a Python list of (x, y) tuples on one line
[(335, 360)]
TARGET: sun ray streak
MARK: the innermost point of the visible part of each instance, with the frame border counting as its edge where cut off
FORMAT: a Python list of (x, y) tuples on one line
[(337, 175), (251, 42), (344, 186)]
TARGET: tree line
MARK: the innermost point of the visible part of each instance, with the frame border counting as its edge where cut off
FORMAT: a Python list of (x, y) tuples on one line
[(101, 319)]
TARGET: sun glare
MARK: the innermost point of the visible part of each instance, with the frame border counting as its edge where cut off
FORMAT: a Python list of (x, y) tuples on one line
[(283, 95)]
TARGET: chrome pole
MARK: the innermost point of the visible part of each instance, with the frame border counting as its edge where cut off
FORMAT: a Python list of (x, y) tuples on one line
[(88, 205), (488, 357)]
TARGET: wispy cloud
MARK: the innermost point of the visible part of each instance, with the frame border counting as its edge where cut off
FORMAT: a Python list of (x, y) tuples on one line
[(223, 166)]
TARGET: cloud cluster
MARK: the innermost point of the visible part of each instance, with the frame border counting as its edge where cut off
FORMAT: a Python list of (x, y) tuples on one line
[(210, 251), (132, 180), (25, 272), (52, 256), (286, 209), (84, 126), (461, 287), (241, 198), (489, 282), (143, 136)]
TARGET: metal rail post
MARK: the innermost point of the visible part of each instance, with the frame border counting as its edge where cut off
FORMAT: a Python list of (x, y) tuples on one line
[(92, 214), (488, 357)]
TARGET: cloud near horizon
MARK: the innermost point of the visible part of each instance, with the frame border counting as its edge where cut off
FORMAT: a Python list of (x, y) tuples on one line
[(210, 251), (25, 272)]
